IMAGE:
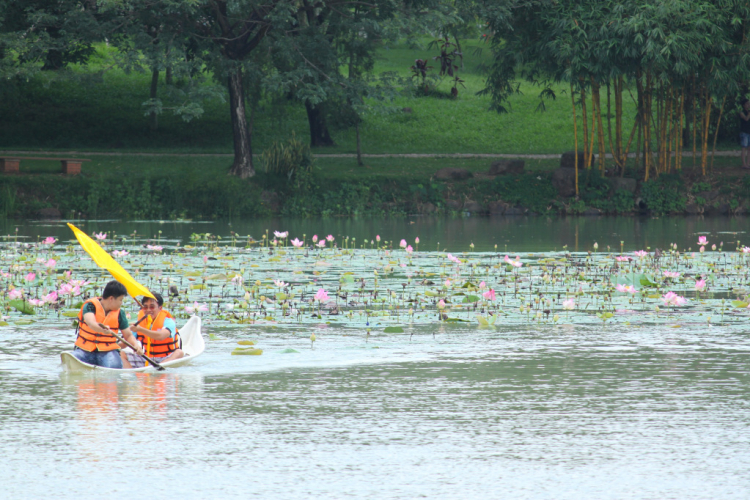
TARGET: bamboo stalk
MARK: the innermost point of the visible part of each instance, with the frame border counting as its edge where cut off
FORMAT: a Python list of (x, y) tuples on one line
[(704, 132), (575, 133), (716, 134)]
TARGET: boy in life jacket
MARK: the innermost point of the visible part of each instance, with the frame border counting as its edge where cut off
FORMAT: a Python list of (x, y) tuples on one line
[(157, 334), (96, 345)]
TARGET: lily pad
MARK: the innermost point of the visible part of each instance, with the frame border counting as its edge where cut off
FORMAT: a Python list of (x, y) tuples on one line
[(22, 306), (393, 329), (246, 342), (247, 351)]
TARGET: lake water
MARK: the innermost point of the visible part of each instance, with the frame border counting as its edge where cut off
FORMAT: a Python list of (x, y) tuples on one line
[(654, 407)]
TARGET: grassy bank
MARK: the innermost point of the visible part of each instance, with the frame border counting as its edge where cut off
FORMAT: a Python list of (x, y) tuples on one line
[(171, 187)]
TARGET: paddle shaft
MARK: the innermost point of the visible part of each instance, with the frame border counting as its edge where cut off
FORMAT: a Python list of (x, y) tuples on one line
[(121, 339)]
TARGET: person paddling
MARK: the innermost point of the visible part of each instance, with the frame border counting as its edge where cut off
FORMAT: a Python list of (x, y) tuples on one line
[(157, 333), (95, 344)]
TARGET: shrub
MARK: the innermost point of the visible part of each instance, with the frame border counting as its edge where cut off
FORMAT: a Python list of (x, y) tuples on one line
[(286, 159)]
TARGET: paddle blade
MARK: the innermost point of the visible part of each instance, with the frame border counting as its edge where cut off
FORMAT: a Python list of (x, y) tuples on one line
[(105, 261)]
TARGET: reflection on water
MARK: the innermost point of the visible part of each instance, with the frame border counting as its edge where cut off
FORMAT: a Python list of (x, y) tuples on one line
[(520, 234)]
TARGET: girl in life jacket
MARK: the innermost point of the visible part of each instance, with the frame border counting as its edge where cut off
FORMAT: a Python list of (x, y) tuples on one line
[(157, 333)]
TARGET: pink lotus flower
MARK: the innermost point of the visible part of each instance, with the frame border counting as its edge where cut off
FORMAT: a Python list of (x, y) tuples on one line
[(745, 249), (514, 263), (120, 253), (49, 240), (296, 243), (640, 253), (51, 263), (409, 249), (281, 235), (441, 304), (30, 277), (489, 294), (402, 244), (315, 238), (482, 285), (50, 297), (713, 247), (569, 304), (700, 285), (321, 296), (15, 294), (155, 248), (671, 274), (672, 299), (447, 283), (330, 237), (100, 236), (280, 283), (416, 240), (377, 238), (36, 302), (237, 280), (452, 258), (622, 258), (625, 288), (322, 244), (702, 240), (196, 307)]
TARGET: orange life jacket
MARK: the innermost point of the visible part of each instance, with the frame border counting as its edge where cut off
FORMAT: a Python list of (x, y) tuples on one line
[(89, 340), (157, 348)]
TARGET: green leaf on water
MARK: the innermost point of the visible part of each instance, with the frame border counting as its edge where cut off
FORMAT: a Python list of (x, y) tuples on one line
[(22, 306), (456, 320), (197, 287), (23, 322), (739, 304), (431, 293), (247, 351), (346, 278), (193, 274), (70, 314), (393, 329), (289, 351), (246, 342), (211, 336), (470, 299), (281, 296), (646, 281), (4, 323)]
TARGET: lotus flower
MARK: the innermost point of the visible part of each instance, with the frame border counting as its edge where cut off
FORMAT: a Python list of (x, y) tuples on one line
[(700, 285), (315, 238), (196, 307), (672, 299), (671, 274), (100, 236), (569, 304), (36, 302), (51, 263), (296, 243), (281, 235), (402, 244), (49, 240), (622, 258), (322, 244), (321, 296), (409, 249), (625, 288), (237, 279), (702, 240), (416, 240), (641, 253), (155, 248), (377, 238), (489, 294), (50, 297), (330, 237), (280, 283), (30, 277), (15, 294), (120, 253)]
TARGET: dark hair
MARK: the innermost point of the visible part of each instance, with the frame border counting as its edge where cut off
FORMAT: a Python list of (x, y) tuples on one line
[(743, 101), (157, 296), (114, 289)]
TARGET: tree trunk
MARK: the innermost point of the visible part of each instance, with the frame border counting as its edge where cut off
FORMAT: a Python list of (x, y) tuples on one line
[(242, 166), (319, 135), (359, 145), (154, 117)]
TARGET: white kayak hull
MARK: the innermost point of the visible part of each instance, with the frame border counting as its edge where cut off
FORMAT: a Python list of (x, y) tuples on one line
[(193, 346)]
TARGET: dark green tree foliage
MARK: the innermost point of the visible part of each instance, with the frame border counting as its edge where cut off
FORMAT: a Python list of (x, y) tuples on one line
[(684, 59)]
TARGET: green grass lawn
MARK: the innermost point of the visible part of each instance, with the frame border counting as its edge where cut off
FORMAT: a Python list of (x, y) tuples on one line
[(104, 112)]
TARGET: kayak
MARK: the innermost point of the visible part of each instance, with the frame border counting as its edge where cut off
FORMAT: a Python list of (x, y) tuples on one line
[(192, 345)]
